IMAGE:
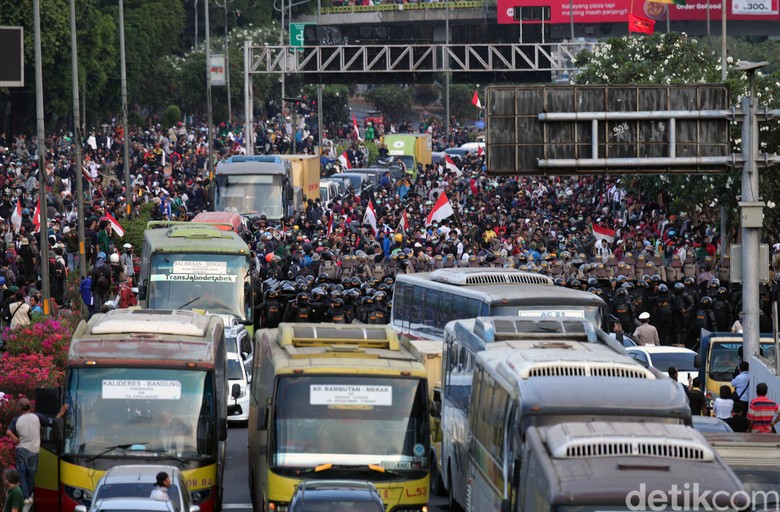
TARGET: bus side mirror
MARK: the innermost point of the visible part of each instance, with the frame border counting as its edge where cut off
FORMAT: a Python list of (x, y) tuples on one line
[(697, 362), (263, 425), (222, 430), (142, 291)]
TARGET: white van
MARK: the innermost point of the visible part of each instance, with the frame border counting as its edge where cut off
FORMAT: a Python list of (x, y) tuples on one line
[(238, 389)]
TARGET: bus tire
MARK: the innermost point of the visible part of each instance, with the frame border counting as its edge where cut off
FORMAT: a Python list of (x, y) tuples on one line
[(454, 506)]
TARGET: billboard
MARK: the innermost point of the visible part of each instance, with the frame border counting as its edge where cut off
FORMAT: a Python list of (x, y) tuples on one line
[(634, 143), (617, 11), (12, 57), (217, 69)]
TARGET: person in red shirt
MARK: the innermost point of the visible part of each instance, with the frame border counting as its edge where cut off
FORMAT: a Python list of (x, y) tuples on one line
[(762, 414)]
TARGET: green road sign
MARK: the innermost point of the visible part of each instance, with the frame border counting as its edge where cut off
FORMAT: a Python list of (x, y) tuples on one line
[(296, 33)]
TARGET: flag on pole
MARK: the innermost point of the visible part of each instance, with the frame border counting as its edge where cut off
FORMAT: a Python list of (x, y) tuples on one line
[(441, 210), (36, 220), (16, 217), (370, 216), (114, 225), (475, 100), (640, 24), (344, 161), (450, 165), (330, 225), (602, 233), (403, 225), (355, 126), (480, 151)]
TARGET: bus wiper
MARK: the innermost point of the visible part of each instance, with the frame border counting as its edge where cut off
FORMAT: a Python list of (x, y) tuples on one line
[(371, 467), (112, 448), (188, 303)]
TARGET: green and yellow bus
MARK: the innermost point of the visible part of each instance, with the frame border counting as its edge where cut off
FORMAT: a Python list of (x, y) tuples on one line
[(143, 387), (196, 266), (338, 402)]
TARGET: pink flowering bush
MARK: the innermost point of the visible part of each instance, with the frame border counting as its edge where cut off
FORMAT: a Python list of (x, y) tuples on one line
[(20, 375), (48, 337)]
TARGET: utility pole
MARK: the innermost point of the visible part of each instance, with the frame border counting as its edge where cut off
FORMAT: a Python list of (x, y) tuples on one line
[(248, 101), (320, 127), (447, 73), (208, 92), (126, 135), (752, 217), (44, 225), (77, 140), (227, 58)]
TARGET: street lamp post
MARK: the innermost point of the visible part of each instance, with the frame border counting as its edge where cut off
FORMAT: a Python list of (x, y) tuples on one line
[(208, 91), (123, 80), (77, 141), (224, 5)]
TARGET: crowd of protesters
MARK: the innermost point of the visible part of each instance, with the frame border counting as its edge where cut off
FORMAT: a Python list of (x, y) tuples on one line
[(667, 263)]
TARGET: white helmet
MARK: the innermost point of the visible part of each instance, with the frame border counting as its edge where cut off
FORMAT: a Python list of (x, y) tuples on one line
[(127, 246), (114, 258)]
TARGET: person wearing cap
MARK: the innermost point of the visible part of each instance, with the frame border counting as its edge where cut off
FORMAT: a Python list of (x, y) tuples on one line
[(646, 334), (25, 431), (126, 260)]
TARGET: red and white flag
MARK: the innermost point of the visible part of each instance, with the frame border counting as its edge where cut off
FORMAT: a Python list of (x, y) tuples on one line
[(441, 210), (480, 151), (355, 126), (475, 100), (403, 225), (330, 225), (450, 165), (16, 217), (114, 225), (370, 216), (602, 233), (640, 25), (344, 161), (36, 219)]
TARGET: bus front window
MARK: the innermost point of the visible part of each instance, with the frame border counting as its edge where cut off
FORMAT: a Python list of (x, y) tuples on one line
[(116, 409), (350, 421), (250, 194), (213, 282)]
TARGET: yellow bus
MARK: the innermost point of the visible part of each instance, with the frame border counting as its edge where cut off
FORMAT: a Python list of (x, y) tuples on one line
[(338, 402), (143, 387)]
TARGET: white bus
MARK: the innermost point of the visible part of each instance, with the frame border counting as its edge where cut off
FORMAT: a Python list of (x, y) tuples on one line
[(546, 343), (611, 466), (424, 302)]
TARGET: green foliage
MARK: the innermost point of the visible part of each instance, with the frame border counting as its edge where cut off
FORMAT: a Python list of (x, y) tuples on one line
[(425, 94), (134, 228), (460, 103), (335, 107), (394, 101), (171, 116), (677, 59)]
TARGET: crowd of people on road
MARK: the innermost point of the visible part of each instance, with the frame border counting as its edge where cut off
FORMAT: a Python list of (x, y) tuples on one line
[(587, 232)]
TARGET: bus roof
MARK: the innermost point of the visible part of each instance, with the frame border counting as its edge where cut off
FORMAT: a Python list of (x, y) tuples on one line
[(226, 221), (323, 347), (599, 463), (179, 237), (507, 286), (253, 168), (145, 336)]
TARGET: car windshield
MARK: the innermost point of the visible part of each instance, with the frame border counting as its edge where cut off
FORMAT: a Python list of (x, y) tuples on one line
[(683, 361), (216, 283), (121, 411), (348, 420), (234, 370), (337, 506), (140, 489)]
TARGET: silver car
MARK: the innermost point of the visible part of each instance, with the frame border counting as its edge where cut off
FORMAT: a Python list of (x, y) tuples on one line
[(133, 484)]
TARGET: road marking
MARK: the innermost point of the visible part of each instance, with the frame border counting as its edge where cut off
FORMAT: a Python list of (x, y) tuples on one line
[(236, 506)]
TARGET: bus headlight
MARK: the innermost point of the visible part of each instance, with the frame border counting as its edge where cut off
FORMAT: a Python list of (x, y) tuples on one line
[(198, 497), (79, 495), (277, 507)]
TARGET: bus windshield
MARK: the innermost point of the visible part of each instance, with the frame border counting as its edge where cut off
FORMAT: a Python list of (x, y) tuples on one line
[(590, 313), (353, 421), (160, 410), (248, 194), (216, 283), (724, 358)]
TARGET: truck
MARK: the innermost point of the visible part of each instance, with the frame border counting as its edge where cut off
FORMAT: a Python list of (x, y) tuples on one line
[(719, 356), (256, 185), (410, 148), (306, 174)]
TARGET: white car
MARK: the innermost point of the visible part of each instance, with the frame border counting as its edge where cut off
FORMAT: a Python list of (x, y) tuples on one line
[(238, 341), (238, 389), (664, 357)]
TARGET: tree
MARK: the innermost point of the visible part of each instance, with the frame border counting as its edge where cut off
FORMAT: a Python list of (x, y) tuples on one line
[(460, 103), (425, 94), (394, 101), (335, 107), (677, 59)]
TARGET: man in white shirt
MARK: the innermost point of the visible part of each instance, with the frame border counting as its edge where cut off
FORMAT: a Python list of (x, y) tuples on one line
[(160, 490)]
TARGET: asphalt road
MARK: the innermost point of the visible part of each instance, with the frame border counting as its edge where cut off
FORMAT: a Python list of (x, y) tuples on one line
[(236, 482)]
